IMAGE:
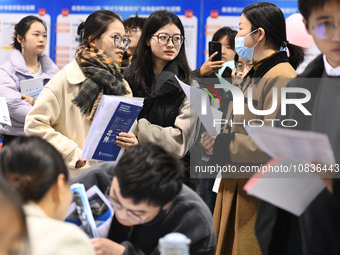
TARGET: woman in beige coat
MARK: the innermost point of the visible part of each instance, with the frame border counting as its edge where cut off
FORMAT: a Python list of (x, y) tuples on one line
[(261, 36), (64, 111)]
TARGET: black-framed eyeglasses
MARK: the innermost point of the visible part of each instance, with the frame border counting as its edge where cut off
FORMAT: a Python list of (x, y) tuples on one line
[(164, 38), (325, 29), (118, 206), (118, 40), (131, 31)]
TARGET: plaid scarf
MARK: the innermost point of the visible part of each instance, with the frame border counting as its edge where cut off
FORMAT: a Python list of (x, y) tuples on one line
[(103, 76)]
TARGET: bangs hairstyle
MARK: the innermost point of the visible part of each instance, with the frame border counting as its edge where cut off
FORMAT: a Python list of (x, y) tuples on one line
[(143, 73), (95, 25), (147, 173), (31, 165)]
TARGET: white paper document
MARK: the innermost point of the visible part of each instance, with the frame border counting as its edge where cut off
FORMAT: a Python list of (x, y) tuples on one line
[(32, 87), (4, 113), (199, 100), (115, 114), (306, 146), (291, 194)]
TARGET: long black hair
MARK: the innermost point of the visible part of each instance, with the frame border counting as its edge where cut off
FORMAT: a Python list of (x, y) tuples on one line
[(143, 74), (270, 17)]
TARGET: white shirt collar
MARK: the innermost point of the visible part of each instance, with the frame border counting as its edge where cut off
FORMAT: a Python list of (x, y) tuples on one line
[(331, 71)]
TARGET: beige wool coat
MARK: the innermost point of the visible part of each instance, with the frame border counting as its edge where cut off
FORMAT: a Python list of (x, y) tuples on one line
[(59, 121), (235, 211)]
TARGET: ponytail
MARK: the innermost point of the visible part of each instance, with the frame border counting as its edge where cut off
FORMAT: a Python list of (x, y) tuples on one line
[(296, 54)]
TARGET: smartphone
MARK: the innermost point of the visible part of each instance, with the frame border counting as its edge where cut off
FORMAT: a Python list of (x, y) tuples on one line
[(213, 47)]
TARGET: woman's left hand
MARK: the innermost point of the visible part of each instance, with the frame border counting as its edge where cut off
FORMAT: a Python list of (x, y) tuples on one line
[(28, 99), (126, 140)]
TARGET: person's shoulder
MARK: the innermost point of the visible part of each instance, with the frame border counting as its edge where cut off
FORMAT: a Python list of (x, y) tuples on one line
[(190, 204), (55, 235), (9, 65), (6, 68), (314, 69), (48, 65), (281, 70), (100, 174), (73, 73)]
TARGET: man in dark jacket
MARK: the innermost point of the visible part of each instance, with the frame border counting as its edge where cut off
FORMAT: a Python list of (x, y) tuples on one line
[(149, 201), (317, 230)]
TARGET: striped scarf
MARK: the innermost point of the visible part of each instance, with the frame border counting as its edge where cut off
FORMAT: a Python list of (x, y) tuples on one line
[(102, 76)]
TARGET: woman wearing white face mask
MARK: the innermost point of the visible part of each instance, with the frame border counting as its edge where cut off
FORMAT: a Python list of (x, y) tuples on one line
[(69, 101), (262, 34)]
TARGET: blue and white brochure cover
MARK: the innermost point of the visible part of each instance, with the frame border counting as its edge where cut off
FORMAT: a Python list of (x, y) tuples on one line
[(115, 114), (82, 210), (32, 87), (101, 211)]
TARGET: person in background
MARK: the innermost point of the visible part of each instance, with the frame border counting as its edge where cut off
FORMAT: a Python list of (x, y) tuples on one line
[(261, 36), (37, 171), (243, 66), (226, 36), (27, 61), (166, 117), (69, 101), (211, 73), (146, 191), (133, 30), (317, 230), (13, 230)]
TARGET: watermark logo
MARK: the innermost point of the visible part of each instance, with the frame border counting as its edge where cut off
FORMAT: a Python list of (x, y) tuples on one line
[(304, 96), (209, 93), (238, 100)]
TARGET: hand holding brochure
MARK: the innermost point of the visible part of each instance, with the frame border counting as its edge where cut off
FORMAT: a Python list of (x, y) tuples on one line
[(32, 87), (115, 114), (90, 210)]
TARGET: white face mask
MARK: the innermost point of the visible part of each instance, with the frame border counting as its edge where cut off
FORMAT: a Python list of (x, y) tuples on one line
[(243, 51)]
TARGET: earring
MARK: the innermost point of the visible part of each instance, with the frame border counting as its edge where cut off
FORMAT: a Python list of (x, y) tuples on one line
[(22, 49)]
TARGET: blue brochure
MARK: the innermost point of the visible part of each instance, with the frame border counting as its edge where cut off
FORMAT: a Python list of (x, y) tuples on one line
[(115, 114), (121, 121)]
